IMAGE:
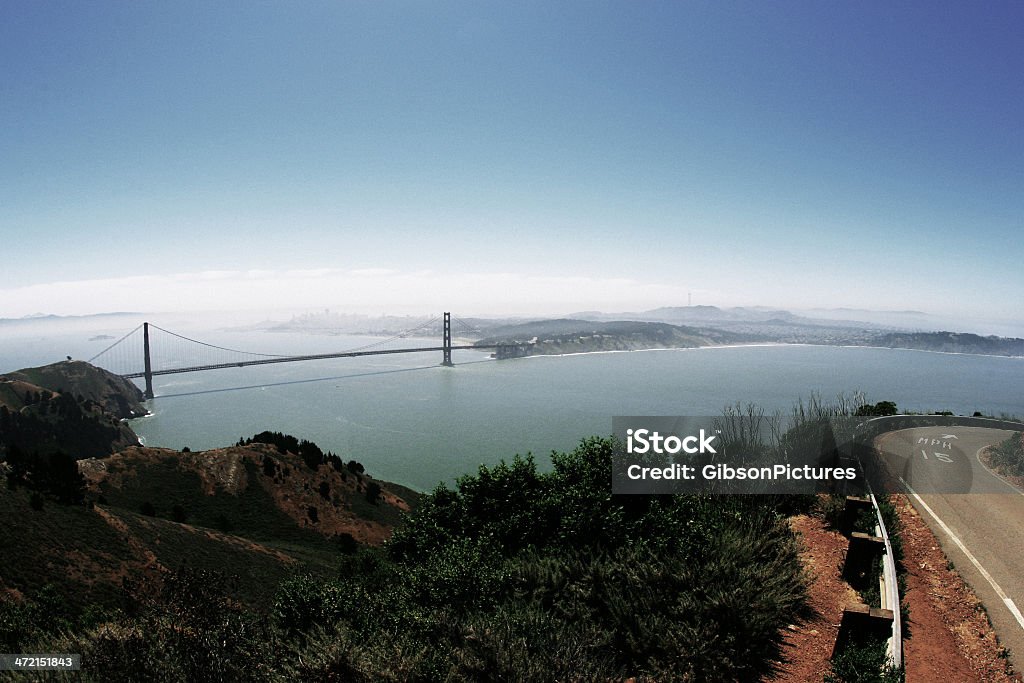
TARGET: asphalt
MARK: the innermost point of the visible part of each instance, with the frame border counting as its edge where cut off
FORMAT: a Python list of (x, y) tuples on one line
[(977, 516)]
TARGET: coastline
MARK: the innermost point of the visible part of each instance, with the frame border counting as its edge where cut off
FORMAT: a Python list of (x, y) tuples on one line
[(764, 345)]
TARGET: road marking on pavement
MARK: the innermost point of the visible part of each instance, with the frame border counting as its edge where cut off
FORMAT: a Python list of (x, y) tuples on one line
[(970, 556)]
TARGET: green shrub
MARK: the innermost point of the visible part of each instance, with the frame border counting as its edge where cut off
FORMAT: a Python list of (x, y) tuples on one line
[(863, 661), (1009, 455), (305, 602)]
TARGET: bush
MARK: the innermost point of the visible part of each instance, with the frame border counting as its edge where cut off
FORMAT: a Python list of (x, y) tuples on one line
[(863, 661), (304, 601), (672, 587), (191, 630), (373, 492), (1009, 455), (831, 509)]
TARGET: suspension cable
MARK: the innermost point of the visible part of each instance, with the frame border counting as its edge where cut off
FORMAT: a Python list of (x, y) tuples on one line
[(401, 335), (115, 343), (221, 348), (466, 326)]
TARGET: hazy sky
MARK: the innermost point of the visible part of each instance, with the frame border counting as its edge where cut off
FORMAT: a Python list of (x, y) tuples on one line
[(511, 156)]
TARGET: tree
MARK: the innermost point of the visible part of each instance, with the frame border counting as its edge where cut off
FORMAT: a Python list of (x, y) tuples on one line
[(373, 492), (269, 466), (64, 480), (880, 409)]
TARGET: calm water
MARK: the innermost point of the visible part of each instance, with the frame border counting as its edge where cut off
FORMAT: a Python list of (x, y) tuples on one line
[(411, 421)]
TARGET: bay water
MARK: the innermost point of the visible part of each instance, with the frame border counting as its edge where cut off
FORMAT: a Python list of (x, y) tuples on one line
[(409, 420)]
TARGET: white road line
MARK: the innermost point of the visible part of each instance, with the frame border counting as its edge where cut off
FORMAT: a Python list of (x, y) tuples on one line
[(970, 556), (987, 469)]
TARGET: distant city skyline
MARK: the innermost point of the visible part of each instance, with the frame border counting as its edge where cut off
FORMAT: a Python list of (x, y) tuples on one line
[(531, 158)]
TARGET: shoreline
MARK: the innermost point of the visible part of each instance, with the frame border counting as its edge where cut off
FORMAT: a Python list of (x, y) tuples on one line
[(768, 344)]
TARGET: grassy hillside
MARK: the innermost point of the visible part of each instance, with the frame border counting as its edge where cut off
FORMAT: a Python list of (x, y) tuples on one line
[(71, 408), (90, 552), (252, 490), (250, 512), (118, 396), (34, 420)]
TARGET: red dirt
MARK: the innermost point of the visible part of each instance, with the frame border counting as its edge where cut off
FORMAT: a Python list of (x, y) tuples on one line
[(949, 637), (807, 647)]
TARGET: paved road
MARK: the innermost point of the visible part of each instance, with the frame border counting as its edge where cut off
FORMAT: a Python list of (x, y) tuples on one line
[(977, 517)]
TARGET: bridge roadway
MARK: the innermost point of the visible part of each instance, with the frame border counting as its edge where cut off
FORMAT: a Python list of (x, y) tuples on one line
[(976, 515), (319, 356)]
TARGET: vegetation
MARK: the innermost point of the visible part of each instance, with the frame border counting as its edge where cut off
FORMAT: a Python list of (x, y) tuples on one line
[(117, 396), (310, 453), (49, 423), (880, 409), (864, 660), (513, 574), (56, 474), (1008, 457)]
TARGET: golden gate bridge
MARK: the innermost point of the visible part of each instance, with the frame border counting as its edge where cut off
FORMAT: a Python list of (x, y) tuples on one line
[(135, 355)]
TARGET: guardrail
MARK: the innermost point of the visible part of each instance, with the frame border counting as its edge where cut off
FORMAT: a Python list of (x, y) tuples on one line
[(889, 588), (864, 551), (890, 591)]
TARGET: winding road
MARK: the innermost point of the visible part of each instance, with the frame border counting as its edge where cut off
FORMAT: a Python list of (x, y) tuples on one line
[(976, 515)]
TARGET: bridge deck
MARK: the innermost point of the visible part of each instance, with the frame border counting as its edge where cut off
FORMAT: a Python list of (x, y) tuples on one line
[(319, 356)]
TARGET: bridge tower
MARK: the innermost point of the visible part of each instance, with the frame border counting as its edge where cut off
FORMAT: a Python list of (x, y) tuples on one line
[(447, 350), (149, 366)]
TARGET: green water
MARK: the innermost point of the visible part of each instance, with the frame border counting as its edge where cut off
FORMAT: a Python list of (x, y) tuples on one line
[(410, 421)]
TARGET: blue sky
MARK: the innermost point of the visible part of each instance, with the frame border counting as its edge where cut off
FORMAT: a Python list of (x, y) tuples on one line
[(521, 157)]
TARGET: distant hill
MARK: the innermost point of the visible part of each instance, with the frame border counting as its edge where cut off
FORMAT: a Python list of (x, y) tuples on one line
[(580, 336), (689, 326), (713, 314), (952, 342)]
